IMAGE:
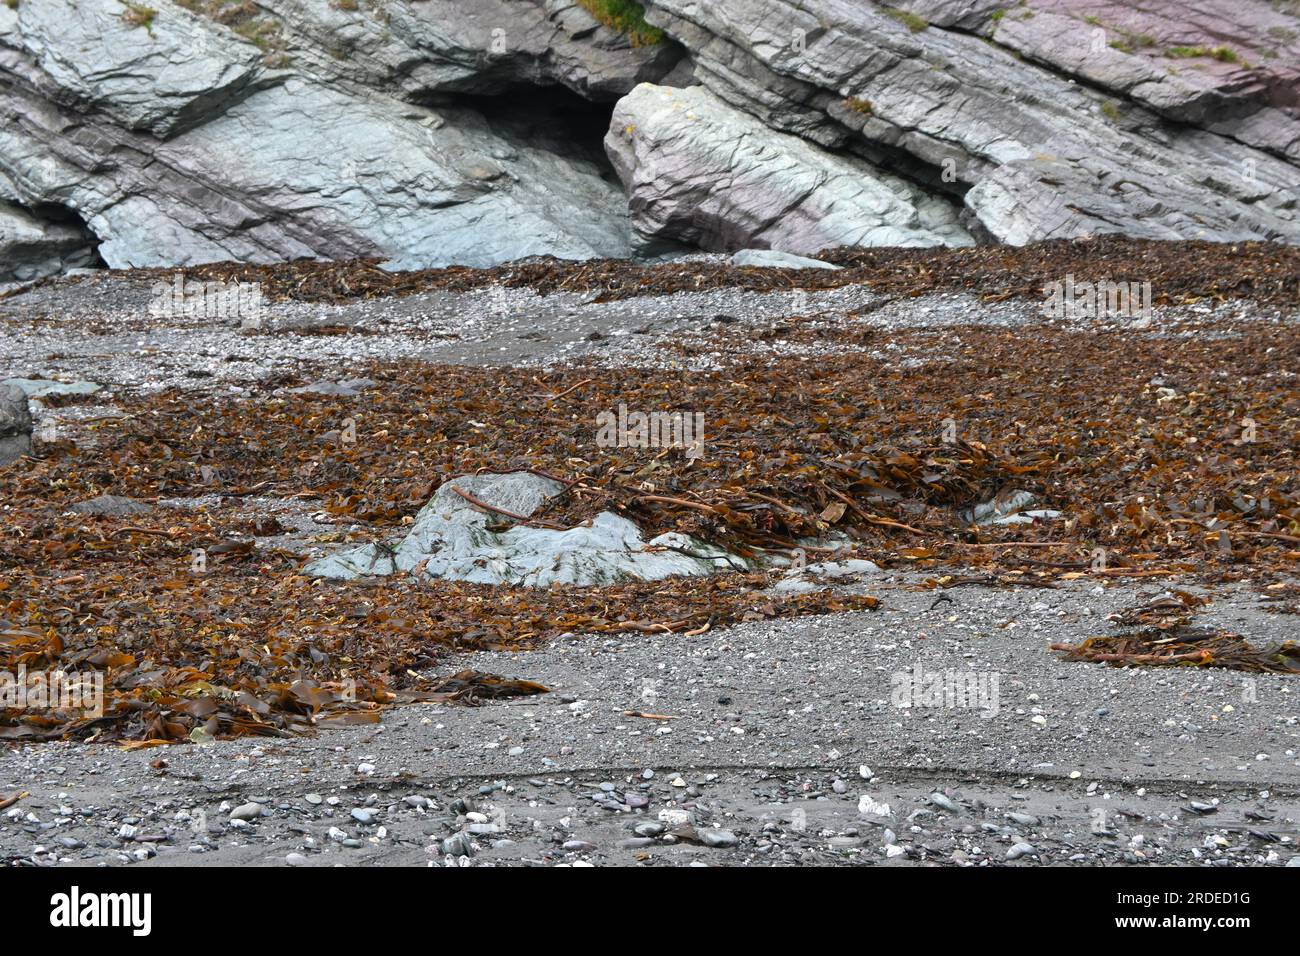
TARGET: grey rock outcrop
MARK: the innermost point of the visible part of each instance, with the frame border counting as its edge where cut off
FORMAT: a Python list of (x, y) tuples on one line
[(31, 248), (180, 140), (421, 49), (770, 259), (1034, 154), (453, 538), (15, 425), (183, 131), (704, 173)]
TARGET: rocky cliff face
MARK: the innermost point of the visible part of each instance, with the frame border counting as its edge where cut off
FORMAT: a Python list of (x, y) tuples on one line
[(431, 132)]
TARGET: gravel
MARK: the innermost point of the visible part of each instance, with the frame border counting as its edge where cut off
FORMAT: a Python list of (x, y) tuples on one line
[(787, 745)]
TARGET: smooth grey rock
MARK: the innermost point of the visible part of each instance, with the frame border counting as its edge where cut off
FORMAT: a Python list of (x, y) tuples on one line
[(771, 259), (247, 811), (1019, 850), (457, 845), (944, 802), (701, 172), (717, 838), (15, 424), (453, 539), (842, 569), (355, 133), (40, 387)]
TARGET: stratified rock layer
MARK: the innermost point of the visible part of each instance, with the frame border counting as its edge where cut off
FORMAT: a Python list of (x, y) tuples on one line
[(701, 172), (933, 91), (184, 131), (183, 141)]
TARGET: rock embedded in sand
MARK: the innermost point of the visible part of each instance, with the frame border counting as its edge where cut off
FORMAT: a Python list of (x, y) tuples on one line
[(454, 538)]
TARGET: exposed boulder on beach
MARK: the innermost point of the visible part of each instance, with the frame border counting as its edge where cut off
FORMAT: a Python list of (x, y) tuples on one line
[(465, 534)]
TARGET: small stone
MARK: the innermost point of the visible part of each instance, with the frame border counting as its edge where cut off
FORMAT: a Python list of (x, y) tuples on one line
[(1019, 850), (717, 838), (457, 845), (246, 811), (295, 859), (944, 803), (363, 815)]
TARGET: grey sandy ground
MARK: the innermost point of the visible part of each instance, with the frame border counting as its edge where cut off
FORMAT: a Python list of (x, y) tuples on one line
[(101, 330), (774, 722)]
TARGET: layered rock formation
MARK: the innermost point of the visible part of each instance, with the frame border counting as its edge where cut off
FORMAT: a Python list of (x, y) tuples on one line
[(32, 247), (180, 136), (429, 132), (699, 172), (944, 89)]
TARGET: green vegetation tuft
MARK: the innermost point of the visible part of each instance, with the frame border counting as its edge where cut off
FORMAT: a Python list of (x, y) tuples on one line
[(625, 16), (1223, 54), (859, 105), (248, 20), (137, 15), (908, 19), (1110, 109)]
